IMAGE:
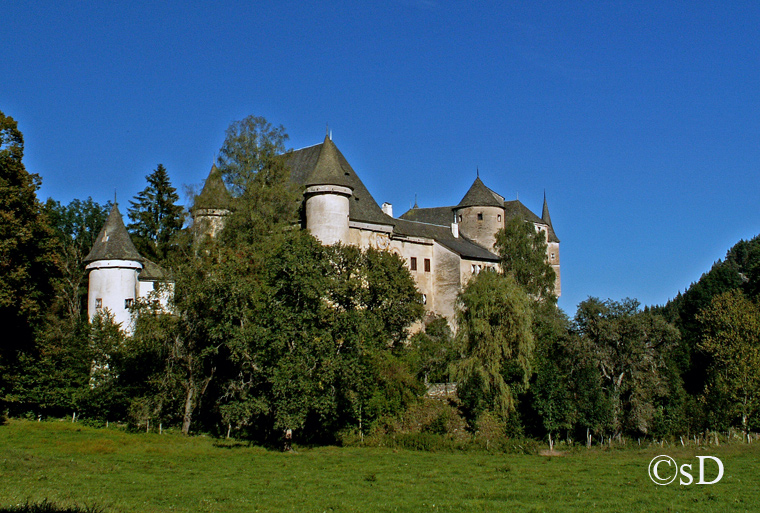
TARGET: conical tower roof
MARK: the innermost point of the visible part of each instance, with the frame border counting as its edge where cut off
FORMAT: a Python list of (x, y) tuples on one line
[(113, 242), (214, 194), (546, 218), (328, 170), (481, 196)]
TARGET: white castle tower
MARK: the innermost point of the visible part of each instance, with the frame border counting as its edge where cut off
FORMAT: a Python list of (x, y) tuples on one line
[(114, 266), (327, 196)]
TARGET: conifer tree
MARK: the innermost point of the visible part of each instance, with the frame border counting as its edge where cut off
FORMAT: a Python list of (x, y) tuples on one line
[(155, 216)]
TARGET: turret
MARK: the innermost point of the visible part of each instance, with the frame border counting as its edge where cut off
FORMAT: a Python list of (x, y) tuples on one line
[(211, 206), (552, 247), (113, 265), (480, 215), (327, 197)]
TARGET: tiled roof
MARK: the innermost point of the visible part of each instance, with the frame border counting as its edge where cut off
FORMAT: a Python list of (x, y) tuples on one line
[(113, 242)]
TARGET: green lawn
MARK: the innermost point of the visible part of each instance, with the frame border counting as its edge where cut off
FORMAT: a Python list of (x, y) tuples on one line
[(72, 464)]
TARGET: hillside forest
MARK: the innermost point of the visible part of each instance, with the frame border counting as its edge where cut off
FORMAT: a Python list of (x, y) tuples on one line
[(269, 332)]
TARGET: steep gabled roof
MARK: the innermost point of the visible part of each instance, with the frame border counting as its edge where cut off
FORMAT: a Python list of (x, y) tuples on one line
[(113, 242), (323, 164), (442, 235), (516, 208), (214, 194), (481, 196), (441, 216)]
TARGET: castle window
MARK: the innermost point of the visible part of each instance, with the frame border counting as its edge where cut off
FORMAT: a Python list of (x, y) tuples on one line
[(413, 263), (427, 265), (498, 217), (552, 256), (424, 299), (480, 216), (129, 302), (98, 303), (460, 218)]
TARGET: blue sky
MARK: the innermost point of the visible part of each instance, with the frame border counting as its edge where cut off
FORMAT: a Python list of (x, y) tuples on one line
[(640, 120)]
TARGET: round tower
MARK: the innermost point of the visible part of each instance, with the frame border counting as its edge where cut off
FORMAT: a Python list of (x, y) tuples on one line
[(327, 209), (327, 197), (480, 215), (212, 206), (114, 266)]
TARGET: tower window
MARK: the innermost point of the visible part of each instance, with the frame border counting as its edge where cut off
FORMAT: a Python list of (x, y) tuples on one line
[(460, 218), (424, 299), (413, 263), (498, 217), (98, 303), (427, 265), (129, 302), (480, 216)]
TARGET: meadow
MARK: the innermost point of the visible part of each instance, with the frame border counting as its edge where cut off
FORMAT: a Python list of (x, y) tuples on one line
[(116, 471)]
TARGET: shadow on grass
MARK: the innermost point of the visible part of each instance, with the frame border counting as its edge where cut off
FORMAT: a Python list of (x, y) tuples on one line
[(48, 507)]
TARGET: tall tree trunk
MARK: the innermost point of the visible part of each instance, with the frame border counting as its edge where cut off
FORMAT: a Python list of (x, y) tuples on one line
[(187, 418)]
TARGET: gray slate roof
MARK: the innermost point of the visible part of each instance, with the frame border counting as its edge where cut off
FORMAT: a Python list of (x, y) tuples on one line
[(214, 194), (481, 196), (442, 234), (441, 216), (324, 164), (113, 242)]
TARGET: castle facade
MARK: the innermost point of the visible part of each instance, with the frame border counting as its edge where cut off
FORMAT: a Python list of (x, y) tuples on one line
[(443, 246)]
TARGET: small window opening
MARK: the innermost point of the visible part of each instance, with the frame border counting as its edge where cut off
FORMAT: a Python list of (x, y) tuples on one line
[(129, 302), (424, 299), (498, 217), (98, 303), (413, 263), (427, 265), (480, 216)]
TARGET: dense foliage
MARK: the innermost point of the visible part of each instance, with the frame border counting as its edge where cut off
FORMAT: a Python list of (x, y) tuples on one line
[(271, 332)]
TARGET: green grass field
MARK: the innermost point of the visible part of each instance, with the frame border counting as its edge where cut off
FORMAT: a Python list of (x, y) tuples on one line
[(70, 464)]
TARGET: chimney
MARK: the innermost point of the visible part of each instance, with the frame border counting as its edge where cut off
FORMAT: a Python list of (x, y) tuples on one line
[(388, 209)]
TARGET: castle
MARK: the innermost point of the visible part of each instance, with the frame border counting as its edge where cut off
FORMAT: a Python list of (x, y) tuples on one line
[(443, 246)]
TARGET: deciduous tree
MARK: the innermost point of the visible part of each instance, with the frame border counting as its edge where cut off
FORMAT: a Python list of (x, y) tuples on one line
[(731, 336)]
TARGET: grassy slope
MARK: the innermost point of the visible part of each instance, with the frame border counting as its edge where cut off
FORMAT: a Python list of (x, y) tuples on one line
[(72, 464)]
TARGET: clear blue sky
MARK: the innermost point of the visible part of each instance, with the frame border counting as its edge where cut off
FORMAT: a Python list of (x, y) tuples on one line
[(640, 120)]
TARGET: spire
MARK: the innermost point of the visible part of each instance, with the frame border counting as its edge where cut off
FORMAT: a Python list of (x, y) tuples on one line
[(113, 242), (328, 170), (415, 201), (214, 194), (481, 196), (546, 218), (545, 213)]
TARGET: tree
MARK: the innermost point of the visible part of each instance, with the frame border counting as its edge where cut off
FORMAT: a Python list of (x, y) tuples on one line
[(731, 336), (496, 343), (75, 225), (252, 163), (156, 218), (630, 350), (27, 254), (523, 255)]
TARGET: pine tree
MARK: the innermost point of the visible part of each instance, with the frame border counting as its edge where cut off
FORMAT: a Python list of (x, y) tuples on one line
[(155, 216)]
